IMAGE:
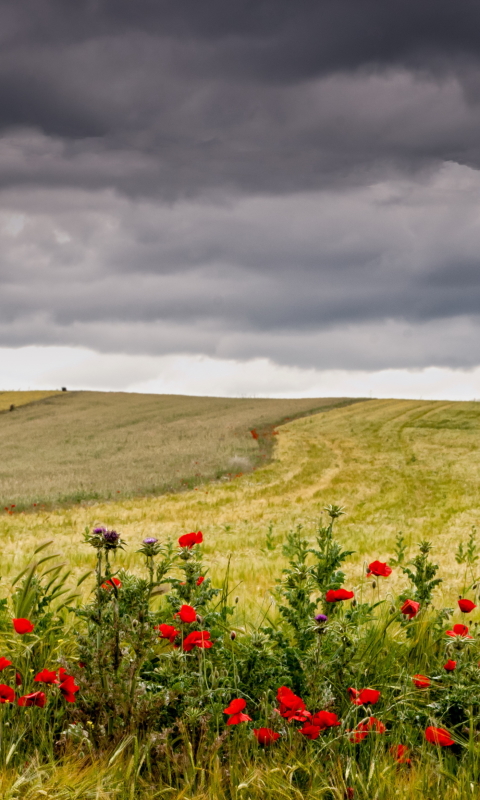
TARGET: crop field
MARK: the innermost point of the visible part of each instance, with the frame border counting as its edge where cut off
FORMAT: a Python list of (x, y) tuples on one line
[(405, 472)]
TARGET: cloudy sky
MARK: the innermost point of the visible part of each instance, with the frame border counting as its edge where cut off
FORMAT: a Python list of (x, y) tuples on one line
[(259, 197)]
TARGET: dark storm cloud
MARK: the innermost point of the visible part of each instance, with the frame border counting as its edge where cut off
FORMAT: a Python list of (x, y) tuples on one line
[(242, 179)]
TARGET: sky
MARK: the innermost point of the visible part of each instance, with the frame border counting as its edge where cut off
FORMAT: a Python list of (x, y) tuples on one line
[(258, 198)]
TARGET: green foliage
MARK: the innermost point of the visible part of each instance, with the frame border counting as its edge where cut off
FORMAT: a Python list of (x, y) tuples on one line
[(422, 575)]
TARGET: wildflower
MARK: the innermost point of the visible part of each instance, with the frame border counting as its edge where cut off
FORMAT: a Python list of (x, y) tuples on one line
[(466, 606), (167, 632), (150, 540), (189, 539), (254, 433), (350, 793), (372, 725), (400, 753), (108, 585), (18, 679), (68, 688), (309, 730), (4, 662), (364, 697), (234, 710), (34, 699), (321, 618), (421, 681), (438, 736), (7, 694), (380, 569), (63, 674), (325, 719), (197, 639), (187, 614), (200, 580), (410, 608), (265, 735), (459, 630), (450, 666), (334, 595), (111, 538), (46, 676), (22, 625), (292, 707)]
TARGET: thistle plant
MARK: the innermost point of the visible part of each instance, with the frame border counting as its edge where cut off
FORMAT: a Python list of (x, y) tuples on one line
[(421, 572)]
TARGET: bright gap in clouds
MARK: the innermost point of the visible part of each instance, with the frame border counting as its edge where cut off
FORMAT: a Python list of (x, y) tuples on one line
[(79, 368)]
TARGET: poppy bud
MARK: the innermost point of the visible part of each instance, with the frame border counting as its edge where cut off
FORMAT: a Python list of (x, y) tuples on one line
[(199, 619), (374, 584), (134, 623), (236, 600), (233, 636), (354, 603)]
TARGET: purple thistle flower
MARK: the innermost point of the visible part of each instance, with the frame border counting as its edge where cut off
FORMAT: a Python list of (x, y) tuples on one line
[(100, 530), (150, 540), (111, 537), (321, 618)]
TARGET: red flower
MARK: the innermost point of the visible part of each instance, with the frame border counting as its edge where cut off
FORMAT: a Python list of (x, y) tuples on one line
[(310, 731), (68, 688), (200, 580), (459, 630), (466, 606), (63, 674), (18, 679), (325, 719), (189, 539), (292, 707), (400, 753), (108, 585), (235, 710), (350, 793), (372, 725), (254, 433), (46, 676), (410, 608), (34, 699), (265, 735), (421, 681), (4, 662), (334, 595), (371, 696), (7, 695), (450, 665), (438, 736), (167, 632), (22, 625), (380, 569), (187, 614), (197, 639)]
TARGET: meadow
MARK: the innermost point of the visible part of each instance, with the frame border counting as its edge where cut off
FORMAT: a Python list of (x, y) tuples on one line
[(405, 472)]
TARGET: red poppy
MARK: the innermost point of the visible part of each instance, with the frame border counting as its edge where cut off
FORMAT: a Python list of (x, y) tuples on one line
[(400, 753), (466, 606), (18, 679), (187, 614), (235, 710), (189, 539), (380, 569), (292, 707), (459, 630), (34, 699), (310, 731), (167, 632), (46, 676), (450, 666), (200, 580), (4, 662), (325, 719), (410, 608), (365, 696), (438, 736), (334, 595), (350, 793), (254, 433), (22, 625), (421, 681), (197, 639), (68, 688), (372, 725), (63, 674), (7, 695), (265, 735), (108, 585)]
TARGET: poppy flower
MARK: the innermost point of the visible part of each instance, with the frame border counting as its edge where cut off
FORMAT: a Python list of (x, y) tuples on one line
[(400, 753), (34, 699), (187, 614), (364, 697), (325, 719), (350, 793), (371, 725), (265, 736), (4, 662), (46, 676), (18, 679), (450, 666), (459, 630), (334, 595), (22, 625), (63, 674), (189, 539), (167, 632), (200, 580), (421, 681), (380, 569), (68, 688), (309, 730), (292, 707), (410, 608), (108, 585), (466, 606), (438, 736), (235, 710), (198, 639), (254, 433), (7, 694)]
